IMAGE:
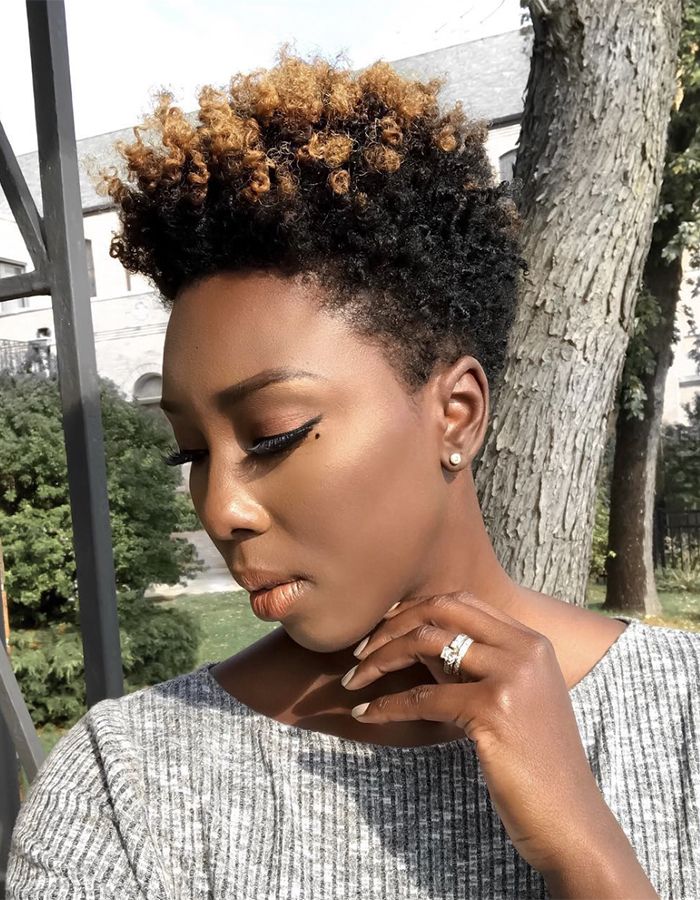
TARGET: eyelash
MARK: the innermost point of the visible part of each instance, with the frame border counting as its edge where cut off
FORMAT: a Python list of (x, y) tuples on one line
[(275, 443)]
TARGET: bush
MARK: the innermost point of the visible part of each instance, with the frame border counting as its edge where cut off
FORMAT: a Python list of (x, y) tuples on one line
[(679, 461), (599, 551), (599, 548), (679, 578), (156, 644), (35, 525)]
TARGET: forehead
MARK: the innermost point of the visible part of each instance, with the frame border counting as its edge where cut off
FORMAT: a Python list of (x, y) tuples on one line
[(234, 325)]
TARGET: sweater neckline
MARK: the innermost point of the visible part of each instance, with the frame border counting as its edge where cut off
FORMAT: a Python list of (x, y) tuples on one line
[(323, 740)]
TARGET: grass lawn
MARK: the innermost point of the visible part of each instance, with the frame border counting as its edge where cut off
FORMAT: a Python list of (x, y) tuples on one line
[(229, 625), (681, 609), (228, 622)]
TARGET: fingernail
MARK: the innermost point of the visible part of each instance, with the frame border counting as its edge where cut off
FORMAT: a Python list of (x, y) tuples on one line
[(359, 710), (391, 608), (348, 675), (360, 647)]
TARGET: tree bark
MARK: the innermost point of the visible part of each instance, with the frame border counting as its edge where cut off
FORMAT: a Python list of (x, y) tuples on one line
[(591, 154), (630, 582)]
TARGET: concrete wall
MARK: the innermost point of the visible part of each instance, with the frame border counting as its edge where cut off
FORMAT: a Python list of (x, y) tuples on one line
[(499, 142), (683, 380), (129, 333)]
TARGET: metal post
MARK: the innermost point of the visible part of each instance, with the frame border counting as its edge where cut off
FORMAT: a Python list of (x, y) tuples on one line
[(9, 770), (56, 245), (77, 367)]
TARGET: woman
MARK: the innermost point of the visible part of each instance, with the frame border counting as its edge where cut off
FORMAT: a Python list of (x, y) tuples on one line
[(342, 273)]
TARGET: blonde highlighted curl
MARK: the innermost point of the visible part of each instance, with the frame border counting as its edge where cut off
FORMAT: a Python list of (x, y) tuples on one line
[(310, 102), (361, 177)]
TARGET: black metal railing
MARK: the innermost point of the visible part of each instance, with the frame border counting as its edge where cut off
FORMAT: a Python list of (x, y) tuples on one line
[(55, 241), (676, 538), (28, 356)]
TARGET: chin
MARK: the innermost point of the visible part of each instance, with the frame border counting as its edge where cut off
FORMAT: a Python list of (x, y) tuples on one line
[(317, 640)]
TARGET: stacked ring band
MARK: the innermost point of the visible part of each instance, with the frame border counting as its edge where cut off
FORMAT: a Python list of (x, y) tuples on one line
[(453, 653)]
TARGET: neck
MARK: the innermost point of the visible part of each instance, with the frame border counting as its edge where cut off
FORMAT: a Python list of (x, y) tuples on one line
[(460, 559), (463, 559)]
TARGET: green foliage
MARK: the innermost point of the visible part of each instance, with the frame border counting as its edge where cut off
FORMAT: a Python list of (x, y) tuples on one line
[(156, 644), (680, 199), (679, 461), (187, 518), (35, 527), (686, 578), (599, 550), (35, 516), (640, 359), (677, 225)]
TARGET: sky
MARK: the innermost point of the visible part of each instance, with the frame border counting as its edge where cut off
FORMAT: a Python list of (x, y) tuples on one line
[(122, 51)]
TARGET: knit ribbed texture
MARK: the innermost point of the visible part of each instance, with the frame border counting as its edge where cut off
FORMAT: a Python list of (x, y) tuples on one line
[(181, 792)]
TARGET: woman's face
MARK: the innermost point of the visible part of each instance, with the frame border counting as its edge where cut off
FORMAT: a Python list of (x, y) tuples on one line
[(358, 506)]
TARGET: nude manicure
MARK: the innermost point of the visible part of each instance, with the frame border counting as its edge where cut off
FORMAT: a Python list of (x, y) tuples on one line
[(360, 647)]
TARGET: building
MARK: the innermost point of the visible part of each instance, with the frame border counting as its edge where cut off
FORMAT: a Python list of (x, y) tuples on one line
[(489, 76)]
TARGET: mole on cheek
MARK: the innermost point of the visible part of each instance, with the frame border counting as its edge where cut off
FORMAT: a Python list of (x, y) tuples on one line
[(317, 435)]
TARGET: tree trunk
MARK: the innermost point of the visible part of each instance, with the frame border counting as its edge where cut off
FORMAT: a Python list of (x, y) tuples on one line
[(630, 582), (591, 155)]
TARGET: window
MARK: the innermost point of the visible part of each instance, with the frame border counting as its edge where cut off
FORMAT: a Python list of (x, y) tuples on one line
[(506, 164), (90, 267), (687, 389), (7, 268), (147, 392), (10, 268)]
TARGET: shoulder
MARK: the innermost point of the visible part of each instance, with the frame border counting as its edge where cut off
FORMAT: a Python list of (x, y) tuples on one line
[(665, 643), (118, 739), (671, 656), (71, 797), (95, 781), (649, 680), (132, 723)]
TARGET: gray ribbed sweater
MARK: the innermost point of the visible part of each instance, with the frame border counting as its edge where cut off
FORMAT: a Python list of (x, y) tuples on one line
[(181, 792)]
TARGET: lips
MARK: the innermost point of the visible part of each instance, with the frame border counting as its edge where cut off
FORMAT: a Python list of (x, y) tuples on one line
[(277, 602), (262, 580)]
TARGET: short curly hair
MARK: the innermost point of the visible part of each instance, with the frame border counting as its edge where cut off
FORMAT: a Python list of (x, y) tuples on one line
[(358, 179)]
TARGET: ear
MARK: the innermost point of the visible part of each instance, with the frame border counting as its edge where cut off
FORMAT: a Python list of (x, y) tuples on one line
[(462, 397)]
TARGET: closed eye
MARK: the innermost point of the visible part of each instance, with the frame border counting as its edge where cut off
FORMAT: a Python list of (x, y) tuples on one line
[(275, 443)]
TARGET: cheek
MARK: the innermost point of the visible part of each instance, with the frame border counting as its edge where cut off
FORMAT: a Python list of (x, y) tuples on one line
[(365, 506)]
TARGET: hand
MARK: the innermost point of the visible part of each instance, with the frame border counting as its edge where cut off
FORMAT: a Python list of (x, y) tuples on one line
[(513, 703)]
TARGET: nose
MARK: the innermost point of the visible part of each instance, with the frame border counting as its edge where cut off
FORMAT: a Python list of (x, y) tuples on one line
[(224, 502)]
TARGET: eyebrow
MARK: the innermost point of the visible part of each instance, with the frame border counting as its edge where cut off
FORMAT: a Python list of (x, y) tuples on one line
[(236, 392)]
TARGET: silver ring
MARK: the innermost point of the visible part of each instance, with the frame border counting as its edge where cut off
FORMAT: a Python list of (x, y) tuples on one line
[(453, 653)]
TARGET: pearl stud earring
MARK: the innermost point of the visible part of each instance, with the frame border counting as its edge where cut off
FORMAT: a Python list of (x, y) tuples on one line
[(455, 458)]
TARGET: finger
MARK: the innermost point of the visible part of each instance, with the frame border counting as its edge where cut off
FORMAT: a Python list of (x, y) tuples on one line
[(432, 702), (422, 644), (458, 613), (464, 596)]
